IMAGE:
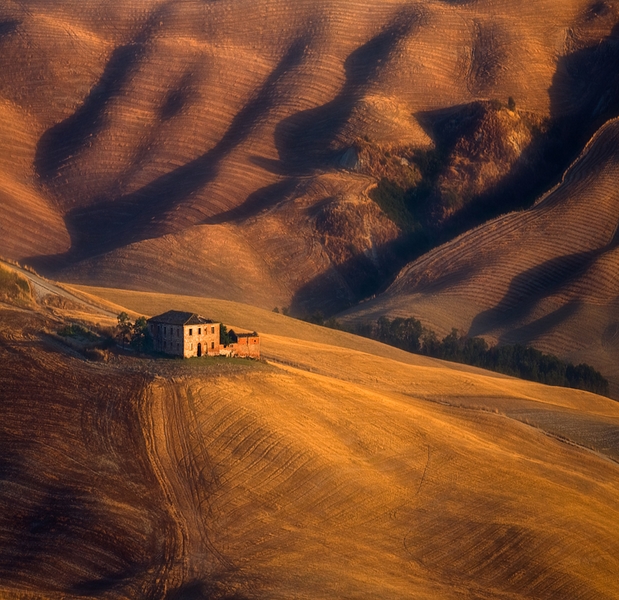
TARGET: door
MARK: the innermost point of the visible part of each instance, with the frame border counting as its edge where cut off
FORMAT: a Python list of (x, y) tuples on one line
[(199, 349)]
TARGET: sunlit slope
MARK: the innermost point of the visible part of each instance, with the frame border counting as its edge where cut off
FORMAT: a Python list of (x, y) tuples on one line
[(329, 352), (335, 471), (368, 477), (164, 133), (548, 276), (332, 489)]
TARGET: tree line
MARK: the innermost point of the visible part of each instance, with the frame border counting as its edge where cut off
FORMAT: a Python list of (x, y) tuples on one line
[(516, 360)]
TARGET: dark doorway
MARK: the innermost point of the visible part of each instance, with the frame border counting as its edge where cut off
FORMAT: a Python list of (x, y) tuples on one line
[(199, 350)]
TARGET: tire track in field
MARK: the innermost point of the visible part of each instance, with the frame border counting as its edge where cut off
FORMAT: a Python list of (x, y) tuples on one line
[(182, 465)]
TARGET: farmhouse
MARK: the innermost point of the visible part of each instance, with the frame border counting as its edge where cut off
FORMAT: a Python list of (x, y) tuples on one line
[(187, 335)]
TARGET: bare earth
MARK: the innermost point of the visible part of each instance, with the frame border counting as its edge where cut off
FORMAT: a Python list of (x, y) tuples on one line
[(342, 468)]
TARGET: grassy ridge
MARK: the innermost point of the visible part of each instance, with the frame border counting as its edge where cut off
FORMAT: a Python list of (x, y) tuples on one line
[(14, 288)]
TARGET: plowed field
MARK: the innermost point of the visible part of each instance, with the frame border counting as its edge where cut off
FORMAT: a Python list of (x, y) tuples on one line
[(335, 471)]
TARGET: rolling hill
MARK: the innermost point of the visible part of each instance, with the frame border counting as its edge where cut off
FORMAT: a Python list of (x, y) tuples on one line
[(450, 160), (547, 276), (153, 144), (339, 468)]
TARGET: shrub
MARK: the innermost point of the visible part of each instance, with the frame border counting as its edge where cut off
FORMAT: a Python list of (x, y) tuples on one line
[(13, 287), (96, 354), (78, 331)]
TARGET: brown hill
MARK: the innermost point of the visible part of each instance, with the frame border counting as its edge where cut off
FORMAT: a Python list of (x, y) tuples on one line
[(547, 276), (155, 144), (302, 478)]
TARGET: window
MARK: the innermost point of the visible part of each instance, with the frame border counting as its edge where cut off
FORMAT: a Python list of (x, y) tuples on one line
[(178, 332), (191, 332), (165, 330), (213, 329), (212, 345), (178, 346), (199, 330)]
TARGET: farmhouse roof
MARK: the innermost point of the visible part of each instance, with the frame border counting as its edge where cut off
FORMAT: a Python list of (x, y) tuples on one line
[(179, 317)]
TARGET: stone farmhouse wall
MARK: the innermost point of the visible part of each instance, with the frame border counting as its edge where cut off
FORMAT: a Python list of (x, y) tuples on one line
[(186, 340), (167, 338), (188, 335), (201, 340)]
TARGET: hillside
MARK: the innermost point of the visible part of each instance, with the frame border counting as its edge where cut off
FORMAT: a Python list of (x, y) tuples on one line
[(451, 160), (301, 478), (156, 144), (547, 276)]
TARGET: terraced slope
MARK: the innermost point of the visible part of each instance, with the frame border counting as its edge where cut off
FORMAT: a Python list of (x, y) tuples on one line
[(548, 276), (305, 478), (153, 144)]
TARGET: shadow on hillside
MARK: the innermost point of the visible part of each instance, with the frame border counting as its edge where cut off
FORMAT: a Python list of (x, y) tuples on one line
[(201, 590), (541, 165), (528, 333), (343, 285), (257, 202), (589, 78), (527, 289), (109, 223), (39, 526), (305, 140), (9, 26), (62, 141), (119, 581), (58, 144)]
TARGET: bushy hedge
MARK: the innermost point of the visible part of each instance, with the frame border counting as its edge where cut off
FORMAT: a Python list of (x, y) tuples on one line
[(78, 331)]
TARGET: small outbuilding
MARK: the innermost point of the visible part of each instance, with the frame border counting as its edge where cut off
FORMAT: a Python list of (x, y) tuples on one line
[(245, 345)]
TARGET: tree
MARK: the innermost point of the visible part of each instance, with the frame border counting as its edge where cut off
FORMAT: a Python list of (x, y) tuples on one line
[(511, 103), (225, 337), (123, 329), (139, 334)]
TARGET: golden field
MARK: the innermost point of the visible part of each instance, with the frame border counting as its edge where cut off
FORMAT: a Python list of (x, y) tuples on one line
[(229, 157), (338, 468)]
